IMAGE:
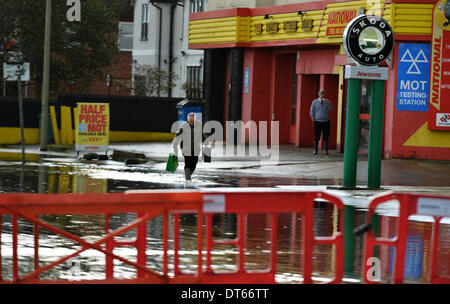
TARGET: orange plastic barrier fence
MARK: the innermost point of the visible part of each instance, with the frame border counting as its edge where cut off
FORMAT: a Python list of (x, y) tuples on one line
[(273, 203), (432, 205), (149, 205), (31, 206)]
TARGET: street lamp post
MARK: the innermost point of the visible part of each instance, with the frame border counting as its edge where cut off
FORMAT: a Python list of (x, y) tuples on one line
[(46, 77)]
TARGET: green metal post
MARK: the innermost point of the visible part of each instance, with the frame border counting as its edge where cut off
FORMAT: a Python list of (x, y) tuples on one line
[(376, 134), (349, 241), (351, 132)]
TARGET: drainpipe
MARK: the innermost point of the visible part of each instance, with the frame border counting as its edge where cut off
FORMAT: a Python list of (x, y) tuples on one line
[(172, 12), (160, 38), (176, 3)]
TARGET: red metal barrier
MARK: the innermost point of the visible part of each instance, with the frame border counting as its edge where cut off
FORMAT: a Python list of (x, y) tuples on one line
[(152, 204), (410, 204), (31, 206), (273, 203)]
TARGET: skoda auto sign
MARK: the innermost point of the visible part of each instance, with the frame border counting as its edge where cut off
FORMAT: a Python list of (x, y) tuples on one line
[(369, 40)]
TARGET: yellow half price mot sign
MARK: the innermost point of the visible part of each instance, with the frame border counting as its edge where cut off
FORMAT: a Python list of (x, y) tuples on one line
[(92, 127)]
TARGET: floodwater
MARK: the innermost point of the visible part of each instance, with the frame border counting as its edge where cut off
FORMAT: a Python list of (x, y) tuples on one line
[(64, 176)]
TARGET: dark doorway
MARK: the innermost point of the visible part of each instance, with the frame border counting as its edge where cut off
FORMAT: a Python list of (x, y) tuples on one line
[(285, 96)]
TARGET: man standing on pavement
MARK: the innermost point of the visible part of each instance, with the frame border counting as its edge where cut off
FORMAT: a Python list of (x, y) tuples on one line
[(190, 143), (319, 115)]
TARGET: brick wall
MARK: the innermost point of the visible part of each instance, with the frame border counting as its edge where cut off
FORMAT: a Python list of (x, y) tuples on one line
[(121, 71)]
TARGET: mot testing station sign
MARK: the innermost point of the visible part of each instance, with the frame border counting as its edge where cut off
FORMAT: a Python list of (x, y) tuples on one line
[(92, 127), (413, 78), (439, 106)]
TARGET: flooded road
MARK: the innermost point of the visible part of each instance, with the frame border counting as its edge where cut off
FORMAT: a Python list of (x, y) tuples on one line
[(66, 176)]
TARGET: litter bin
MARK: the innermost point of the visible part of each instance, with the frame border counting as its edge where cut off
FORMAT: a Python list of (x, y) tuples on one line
[(187, 106)]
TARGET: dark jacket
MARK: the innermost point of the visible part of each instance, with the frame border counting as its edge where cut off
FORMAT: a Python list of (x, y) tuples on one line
[(190, 144)]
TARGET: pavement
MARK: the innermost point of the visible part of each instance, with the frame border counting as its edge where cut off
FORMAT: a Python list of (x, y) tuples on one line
[(294, 162), (296, 166)]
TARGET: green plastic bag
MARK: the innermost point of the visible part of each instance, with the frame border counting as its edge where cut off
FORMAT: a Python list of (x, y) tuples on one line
[(172, 163)]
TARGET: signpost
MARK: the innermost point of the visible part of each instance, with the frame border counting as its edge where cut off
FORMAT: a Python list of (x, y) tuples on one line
[(15, 70), (19, 73), (368, 41)]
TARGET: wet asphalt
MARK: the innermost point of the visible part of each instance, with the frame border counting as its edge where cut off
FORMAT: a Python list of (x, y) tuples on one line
[(292, 167)]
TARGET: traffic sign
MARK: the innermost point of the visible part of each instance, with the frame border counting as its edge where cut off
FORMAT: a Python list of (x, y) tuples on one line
[(10, 71)]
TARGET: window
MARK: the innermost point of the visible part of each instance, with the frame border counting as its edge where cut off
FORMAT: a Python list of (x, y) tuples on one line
[(197, 6), (125, 36), (145, 19), (194, 82)]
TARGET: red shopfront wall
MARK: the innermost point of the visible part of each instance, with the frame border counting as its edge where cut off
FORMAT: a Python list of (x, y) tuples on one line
[(256, 101), (281, 96), (269, 89), (406, 134)]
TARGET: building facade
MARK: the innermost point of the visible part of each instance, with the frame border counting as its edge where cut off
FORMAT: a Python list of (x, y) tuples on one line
[(161, 40), (266, 60), (119, 74)]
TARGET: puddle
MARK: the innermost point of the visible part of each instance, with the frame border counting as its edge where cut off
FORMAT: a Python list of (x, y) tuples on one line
[(61, 175)]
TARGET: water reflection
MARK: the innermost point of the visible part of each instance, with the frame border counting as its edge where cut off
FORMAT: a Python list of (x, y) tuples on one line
[(76, 178), (56, 178), (63, 179), (91, 264)]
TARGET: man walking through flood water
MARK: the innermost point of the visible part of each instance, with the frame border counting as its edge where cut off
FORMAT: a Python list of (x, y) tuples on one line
[(190, 137)]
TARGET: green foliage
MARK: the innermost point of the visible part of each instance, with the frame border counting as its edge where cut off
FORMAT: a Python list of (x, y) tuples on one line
[(80, 50)]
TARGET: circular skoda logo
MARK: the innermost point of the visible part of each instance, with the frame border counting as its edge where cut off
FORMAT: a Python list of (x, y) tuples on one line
[(368, 39)]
